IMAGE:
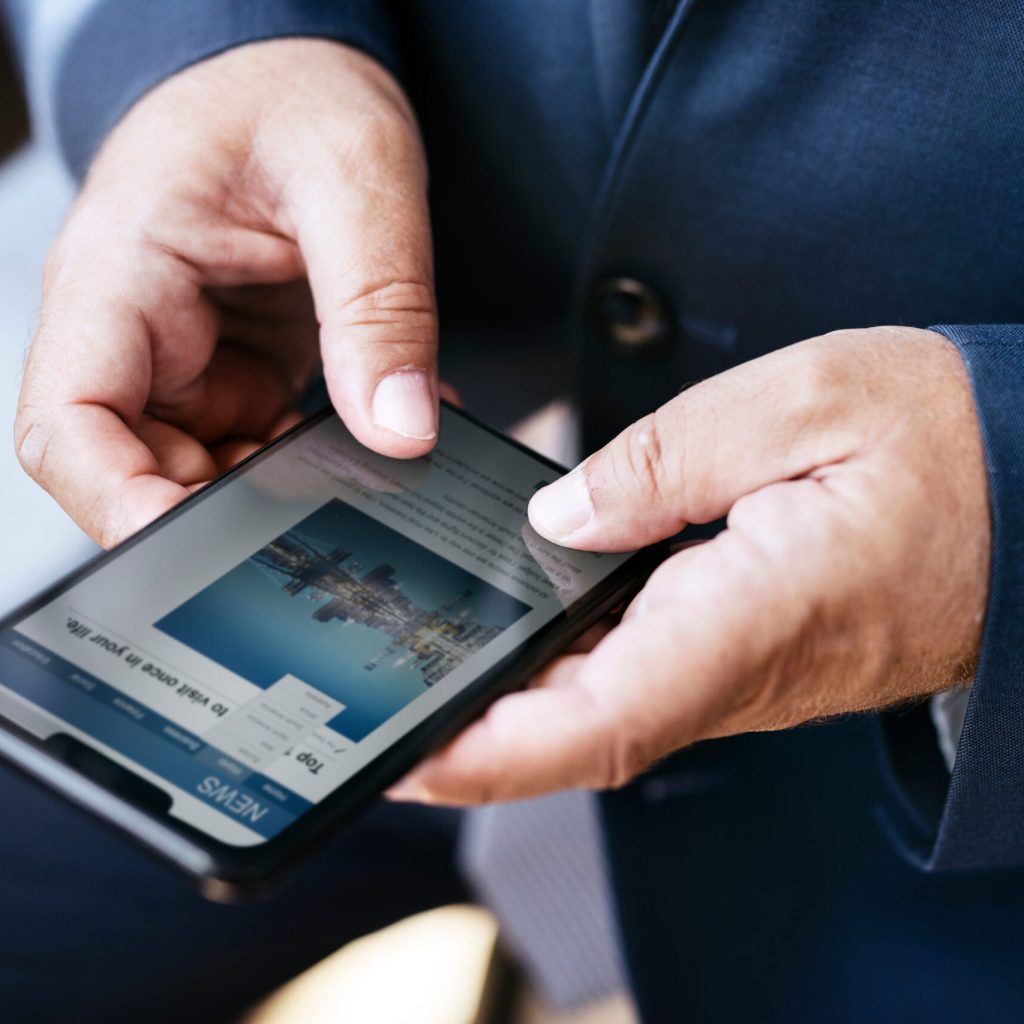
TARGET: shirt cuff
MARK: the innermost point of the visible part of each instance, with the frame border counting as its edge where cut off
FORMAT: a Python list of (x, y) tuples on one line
[(948, 710)]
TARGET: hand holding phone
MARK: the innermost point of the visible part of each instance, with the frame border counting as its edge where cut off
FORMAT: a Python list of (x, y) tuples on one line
[(269, 656)]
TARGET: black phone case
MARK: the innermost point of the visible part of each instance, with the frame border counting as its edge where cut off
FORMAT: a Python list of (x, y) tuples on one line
[(223, 872)]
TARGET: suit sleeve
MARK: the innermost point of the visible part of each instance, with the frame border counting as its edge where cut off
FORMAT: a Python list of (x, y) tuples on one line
[(974, 817), (120, 49)]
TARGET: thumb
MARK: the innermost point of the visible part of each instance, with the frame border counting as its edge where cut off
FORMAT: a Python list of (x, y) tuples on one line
[(692, 459), (364, 231)]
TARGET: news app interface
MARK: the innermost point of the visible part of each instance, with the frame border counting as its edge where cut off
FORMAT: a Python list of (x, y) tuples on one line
[(254, 653)]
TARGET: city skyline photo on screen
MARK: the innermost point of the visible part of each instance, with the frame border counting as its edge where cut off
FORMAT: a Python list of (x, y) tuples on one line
[(349, 606)]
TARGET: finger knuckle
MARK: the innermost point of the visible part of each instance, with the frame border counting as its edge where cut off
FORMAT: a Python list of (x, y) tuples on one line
[(369, 145), (816, 382), (393, 302), (643, 456), (385, 133), (620, 752), (99, 229), (751, 512), (451, 784), (104, 521), (31, 441), (625, 758), (107, 535), (653, 463)]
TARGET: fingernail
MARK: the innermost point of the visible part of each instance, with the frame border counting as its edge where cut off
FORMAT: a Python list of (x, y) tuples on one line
[(562, 508), (404, 403), (408, 790)]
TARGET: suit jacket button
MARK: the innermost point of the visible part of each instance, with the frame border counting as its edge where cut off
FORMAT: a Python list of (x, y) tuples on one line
[(629, 316)]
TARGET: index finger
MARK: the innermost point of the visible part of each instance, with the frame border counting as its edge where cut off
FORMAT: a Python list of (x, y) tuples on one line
[(86, 384)]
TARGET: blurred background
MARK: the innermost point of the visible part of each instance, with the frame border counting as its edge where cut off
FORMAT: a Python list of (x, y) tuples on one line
[(39, 542), (13, 116)]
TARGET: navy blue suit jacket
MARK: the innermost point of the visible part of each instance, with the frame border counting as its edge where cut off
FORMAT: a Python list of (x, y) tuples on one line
[(773, 171)]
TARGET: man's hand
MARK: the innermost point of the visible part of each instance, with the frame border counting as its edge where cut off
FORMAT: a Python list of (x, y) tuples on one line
[(177, 324), (852, 575)]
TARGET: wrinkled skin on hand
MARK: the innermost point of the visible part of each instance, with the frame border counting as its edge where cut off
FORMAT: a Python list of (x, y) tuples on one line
[(852, 575), (254, 214)]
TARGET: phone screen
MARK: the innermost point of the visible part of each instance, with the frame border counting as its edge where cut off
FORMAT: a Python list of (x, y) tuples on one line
[(252, 653)]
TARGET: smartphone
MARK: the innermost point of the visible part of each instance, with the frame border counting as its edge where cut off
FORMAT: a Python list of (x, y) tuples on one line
[(257, 665)]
